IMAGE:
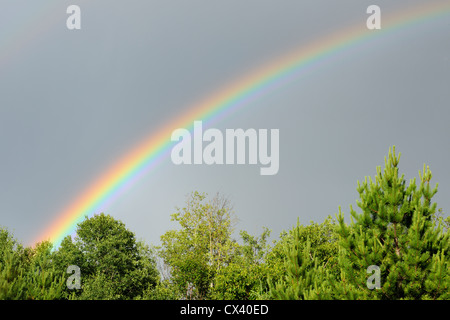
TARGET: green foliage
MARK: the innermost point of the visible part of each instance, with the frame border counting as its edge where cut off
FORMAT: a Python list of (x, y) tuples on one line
[(43, 281), (254, 248), (304, 259), (237, 281), (244, 277), (12, 282), (164, 290), (7, 244), (99, 287), (27, 273), (396, 232), (201, 247), (113, 264)]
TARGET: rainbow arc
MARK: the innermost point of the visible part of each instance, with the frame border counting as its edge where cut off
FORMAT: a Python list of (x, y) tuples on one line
[(153, 150)]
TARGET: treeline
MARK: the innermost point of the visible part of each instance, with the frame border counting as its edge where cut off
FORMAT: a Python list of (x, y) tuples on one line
[(395, 247)]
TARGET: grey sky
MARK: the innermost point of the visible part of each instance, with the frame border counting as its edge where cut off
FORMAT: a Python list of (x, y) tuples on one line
[(73, 102)]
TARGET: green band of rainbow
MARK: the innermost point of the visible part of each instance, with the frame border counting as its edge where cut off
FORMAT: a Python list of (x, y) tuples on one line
[(157, 147)]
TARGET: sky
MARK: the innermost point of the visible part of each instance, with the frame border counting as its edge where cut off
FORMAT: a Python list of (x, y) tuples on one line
[(73, 102)]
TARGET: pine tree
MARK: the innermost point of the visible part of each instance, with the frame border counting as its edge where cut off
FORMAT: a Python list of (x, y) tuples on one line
[(308, 254), (12, 283), (27, 273), (43, 282), (395, 232)]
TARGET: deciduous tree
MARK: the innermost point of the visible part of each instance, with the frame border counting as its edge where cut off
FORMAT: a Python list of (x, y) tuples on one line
[(201, 247), (113, 264)]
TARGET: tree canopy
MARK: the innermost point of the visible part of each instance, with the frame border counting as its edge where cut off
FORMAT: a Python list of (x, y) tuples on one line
[(394, 247), (113, 265)]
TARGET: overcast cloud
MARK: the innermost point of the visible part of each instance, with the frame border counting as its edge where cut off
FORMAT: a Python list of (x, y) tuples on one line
[(73, 102)]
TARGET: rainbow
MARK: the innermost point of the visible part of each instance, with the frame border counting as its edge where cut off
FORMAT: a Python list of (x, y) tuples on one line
[(151, 151)]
